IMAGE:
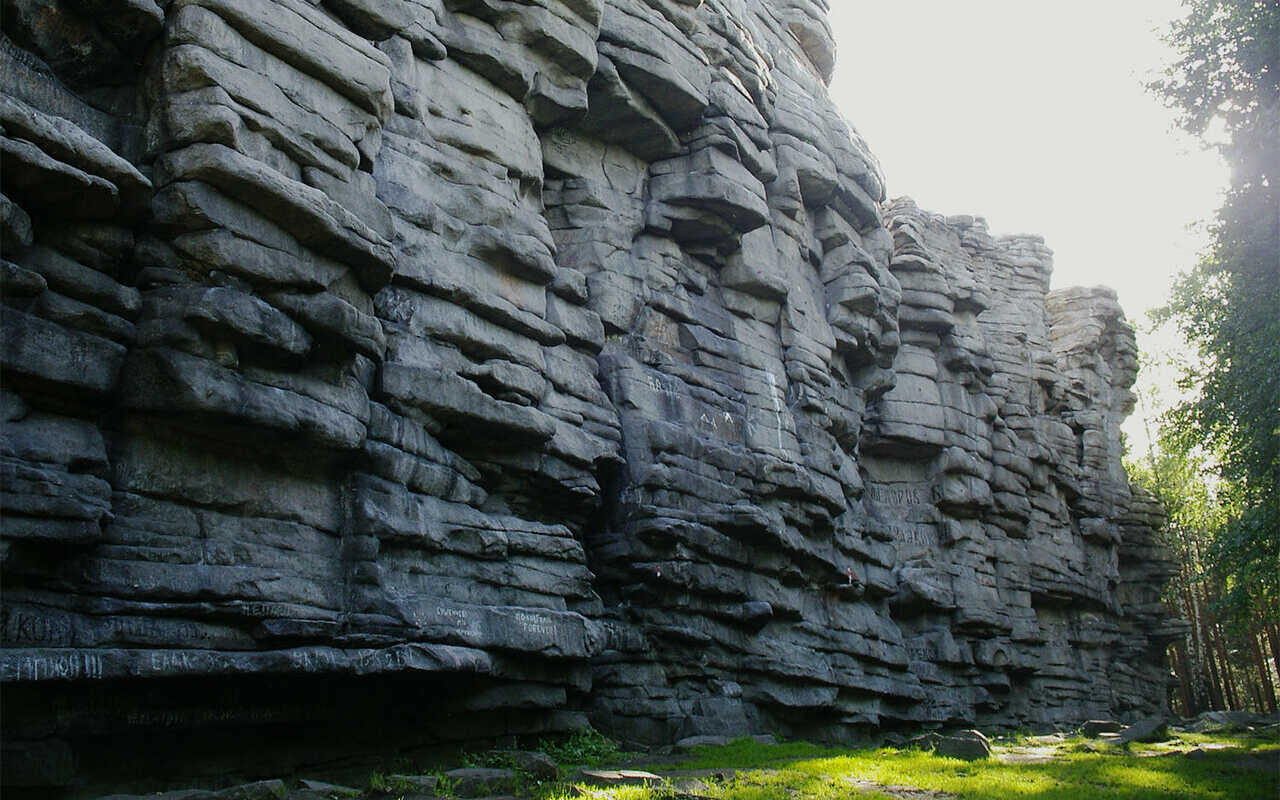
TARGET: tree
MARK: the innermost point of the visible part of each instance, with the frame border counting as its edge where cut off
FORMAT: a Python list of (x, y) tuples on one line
[(1218, 666), (1227, 77)]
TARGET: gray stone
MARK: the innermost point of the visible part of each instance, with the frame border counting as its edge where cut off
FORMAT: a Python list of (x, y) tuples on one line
[(927, 741), (480, 781), (15, 225), (425, 784), (1225, 721), (537, 765), (968, 748), (1093, 727), (330, 789), (615, 777), (1152, 729)]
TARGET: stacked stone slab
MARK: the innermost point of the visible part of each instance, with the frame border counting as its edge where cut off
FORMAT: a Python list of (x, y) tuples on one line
[(491, 367)]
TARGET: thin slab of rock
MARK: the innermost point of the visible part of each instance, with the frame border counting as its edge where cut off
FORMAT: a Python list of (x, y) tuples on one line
[(615, 777), (1094, 727)]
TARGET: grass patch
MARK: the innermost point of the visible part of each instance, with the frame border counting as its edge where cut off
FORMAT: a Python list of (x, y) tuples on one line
[(588, 748), (1080, 769), (747, 753), (1070, 776)]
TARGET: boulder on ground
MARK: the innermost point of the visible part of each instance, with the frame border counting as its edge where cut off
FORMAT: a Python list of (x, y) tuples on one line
[(331, 790), (1224, 722), (425, 784), (964, 745), (481, 781), (1152, 729), (1093, 727), (539, 765)]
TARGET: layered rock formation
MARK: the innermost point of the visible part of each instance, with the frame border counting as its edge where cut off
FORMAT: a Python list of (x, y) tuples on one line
[(449, 369)]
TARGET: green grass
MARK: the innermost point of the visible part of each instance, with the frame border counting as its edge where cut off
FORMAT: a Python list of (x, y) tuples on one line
[(588, 748), (747, 753), (796, 771)]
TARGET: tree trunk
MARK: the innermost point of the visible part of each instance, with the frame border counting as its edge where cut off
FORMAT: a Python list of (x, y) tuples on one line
[(1207, 664), (1217, 645), (1202, 686), (1182, 664), (1182, 668), (1267, 688), (1255, 694), (1217, 687), (1230, 693), (1195, 667), (1273, 636)]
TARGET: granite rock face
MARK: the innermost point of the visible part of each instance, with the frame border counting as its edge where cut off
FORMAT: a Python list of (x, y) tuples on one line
[(488, 367)]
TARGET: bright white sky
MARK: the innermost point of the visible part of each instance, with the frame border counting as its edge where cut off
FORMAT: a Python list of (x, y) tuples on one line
[(1032, 113)]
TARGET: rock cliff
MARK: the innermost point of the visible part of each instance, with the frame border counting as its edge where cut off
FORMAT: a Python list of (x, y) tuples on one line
[(418, 371)]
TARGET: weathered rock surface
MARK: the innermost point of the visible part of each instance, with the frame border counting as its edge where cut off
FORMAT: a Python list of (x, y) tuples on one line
[(1094, 727), (432, 370), (967, 745), (1152, 729)]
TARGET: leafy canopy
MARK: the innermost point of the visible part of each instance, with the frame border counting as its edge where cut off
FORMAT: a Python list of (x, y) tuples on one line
[(1227, 76)]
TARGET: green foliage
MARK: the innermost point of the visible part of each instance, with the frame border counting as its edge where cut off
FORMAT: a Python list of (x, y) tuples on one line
[(394, 786), (589, 748), (1195, 499), (1227, 76), (446, 786), (1227, 53), (482, 758)]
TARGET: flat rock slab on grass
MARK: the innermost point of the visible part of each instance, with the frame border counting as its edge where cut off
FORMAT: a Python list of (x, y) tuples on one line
[(718, 773), (688, 788), (1093, 727), (902, 792), (481, 781), (1049, 738), (1154, 729), (330, 789), (1029, 755), (690, 784), (616, 777), (425, 784), (613, 792)]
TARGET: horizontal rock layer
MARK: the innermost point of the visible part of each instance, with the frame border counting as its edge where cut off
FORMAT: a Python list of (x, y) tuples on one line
[(546, 362)]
